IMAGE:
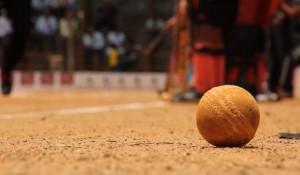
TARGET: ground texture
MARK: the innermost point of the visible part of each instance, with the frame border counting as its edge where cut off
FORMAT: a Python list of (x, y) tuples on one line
[(133, 132)]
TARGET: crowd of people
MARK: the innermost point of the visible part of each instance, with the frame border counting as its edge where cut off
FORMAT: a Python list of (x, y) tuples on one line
[(106, 44), (250, 43), (111, 50), (51, 24), (55, 26)]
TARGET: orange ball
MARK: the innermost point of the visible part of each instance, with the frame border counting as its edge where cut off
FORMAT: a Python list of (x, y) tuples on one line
[(227, 116)]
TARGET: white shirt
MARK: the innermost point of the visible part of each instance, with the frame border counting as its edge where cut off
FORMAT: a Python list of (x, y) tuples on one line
[(46, 26), (5, 26), (98, 40), (116, 38), (41, 4), (94, 41), (87, 40)]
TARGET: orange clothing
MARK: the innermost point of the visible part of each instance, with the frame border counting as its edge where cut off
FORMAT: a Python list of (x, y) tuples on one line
[(256, 12), (260, 73), (209, 71), (274, 5), (209, 66), (247, 12), (266, 10)]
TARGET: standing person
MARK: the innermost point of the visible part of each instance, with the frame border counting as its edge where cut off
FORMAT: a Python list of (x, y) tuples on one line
[(39, 5), (207, 47), (179, 28), (5, 28), (113, 57), (284, 33), (94, 43), (292, 10), (46, 27), (68, 27), (88, 47), (117, 38), (180, 60), (20, 13), (247, 50)]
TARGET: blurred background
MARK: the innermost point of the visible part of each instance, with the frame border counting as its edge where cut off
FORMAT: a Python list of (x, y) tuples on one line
[(134, 36), (101, 30)]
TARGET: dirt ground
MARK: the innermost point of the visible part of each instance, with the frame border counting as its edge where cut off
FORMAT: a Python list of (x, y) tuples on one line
[(133, 132)]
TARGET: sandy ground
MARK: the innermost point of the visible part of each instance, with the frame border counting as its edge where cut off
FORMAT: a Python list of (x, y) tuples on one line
[(36, 139)]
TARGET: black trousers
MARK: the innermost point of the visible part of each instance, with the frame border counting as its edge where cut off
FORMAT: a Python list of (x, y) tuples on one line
[(19, 12), (280, 48), (242, 49)]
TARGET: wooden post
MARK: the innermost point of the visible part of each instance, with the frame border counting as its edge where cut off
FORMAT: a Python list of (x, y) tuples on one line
[(84, 19)]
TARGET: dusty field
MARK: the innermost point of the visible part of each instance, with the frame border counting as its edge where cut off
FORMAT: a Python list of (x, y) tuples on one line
[(133, 133)]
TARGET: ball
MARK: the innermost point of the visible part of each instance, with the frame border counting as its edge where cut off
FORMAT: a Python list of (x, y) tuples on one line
[(227, 116)]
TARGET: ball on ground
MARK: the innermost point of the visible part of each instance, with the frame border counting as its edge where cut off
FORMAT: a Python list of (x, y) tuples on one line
[(228, 116)]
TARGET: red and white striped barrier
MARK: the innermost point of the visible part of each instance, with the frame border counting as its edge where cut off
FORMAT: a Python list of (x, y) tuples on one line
[(77, 80)]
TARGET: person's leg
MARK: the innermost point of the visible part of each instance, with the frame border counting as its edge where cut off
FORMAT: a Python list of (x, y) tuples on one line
[(245, 48), (275, 60), (208, 72), (19, 12), (288, 83), (290, 42), (234, 53), (219, 64), (201, 62), (87, 58)]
